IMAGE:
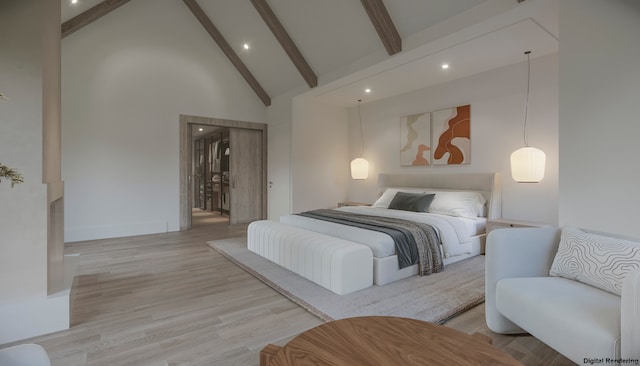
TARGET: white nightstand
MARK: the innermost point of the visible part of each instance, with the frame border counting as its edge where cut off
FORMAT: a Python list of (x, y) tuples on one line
[(502, 223)]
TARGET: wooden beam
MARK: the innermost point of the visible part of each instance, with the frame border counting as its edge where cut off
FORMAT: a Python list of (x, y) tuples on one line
[(383, 24), (90, 16), (286, 42), (224, 46)]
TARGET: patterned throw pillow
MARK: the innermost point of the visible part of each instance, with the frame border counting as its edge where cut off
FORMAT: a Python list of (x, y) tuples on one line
[(595, 260)]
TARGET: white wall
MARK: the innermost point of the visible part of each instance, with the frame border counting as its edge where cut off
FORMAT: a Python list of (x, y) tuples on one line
[(126, 79), (319, 155), (23, 220), (497, 114), (25, 308), (599, 123)]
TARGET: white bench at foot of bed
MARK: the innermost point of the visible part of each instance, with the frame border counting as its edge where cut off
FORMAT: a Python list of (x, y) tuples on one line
[(336, 264)]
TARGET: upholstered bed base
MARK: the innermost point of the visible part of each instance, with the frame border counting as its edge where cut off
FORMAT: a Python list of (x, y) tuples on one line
[(336, 264), (385, 270)]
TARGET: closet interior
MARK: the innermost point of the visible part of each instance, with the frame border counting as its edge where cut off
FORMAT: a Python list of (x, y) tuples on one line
[(211, 169)]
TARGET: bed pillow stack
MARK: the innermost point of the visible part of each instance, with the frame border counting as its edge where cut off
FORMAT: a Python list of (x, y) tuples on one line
[(467, 204)]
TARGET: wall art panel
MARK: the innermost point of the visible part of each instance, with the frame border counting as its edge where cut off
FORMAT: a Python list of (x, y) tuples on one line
[(415, 140), (451, 135)]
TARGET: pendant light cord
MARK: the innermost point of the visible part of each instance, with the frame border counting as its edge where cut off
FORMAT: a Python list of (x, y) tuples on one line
[(526, 102), (361, 131)]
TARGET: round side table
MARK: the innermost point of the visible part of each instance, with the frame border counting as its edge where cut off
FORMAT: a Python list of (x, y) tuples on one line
[(383, 340)]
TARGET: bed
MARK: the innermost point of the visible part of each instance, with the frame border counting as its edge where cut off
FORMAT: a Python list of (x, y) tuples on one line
[(461, 205)]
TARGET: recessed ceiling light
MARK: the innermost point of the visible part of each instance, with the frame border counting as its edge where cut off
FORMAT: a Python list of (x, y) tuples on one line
[(74, 1), (200, 129), (367, 90), (245, 46), (445, 66)]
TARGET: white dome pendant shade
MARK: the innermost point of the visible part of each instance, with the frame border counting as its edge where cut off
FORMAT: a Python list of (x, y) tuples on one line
[(527, 165), (359, 168)]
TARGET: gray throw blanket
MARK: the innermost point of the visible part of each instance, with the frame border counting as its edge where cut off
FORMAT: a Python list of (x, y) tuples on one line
[(415, 242)]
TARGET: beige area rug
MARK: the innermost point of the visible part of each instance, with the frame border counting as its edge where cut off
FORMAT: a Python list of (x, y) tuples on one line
[(435, 298)]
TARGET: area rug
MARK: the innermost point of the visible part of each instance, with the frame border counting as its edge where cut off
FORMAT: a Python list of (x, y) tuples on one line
[(434, 298)]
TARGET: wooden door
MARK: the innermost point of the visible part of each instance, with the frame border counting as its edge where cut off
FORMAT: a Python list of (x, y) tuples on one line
[(246, 179), (279, 170)]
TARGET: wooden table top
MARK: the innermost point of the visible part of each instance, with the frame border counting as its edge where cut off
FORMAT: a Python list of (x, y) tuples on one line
[(382, 340)]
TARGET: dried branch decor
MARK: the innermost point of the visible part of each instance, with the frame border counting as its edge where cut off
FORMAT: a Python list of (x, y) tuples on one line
[(11, 174), (5, 172)]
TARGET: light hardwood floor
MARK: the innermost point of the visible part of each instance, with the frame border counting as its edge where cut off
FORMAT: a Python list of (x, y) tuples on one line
[(169, 299), (205, 218)]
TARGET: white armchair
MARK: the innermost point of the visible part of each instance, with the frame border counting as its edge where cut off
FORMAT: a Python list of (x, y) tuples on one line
[(577, 320), (24, 355)]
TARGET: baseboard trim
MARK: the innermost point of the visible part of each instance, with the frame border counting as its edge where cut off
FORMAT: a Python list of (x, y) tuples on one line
[(95, 232)]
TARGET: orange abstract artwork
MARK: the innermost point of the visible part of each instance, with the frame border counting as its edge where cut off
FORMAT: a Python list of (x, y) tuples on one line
[(452, 129)]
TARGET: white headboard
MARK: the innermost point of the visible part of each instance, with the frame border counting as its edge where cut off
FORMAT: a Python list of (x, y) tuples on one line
[(489, 184)]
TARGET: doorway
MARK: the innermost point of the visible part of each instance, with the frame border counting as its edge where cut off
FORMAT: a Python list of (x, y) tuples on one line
[(210, 171), (246, 177)]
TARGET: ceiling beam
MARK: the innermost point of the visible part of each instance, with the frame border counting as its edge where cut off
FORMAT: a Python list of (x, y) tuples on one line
[(383, 24), (286, 42), (90, 16), (228, 51)]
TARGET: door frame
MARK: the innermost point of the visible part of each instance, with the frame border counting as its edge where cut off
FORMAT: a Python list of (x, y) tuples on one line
[(186, 154)]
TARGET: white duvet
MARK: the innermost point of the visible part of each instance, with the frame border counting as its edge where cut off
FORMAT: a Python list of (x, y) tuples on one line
[(455, 233)]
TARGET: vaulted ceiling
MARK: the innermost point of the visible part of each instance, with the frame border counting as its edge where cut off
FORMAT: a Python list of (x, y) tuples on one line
[(295, 43)]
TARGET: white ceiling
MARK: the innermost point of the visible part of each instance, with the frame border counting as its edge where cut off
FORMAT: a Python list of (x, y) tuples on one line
[(481, 53), (337, 34), (70, 10)]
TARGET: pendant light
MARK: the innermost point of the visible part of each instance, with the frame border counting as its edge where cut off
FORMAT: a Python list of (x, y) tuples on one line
[(527, 163), (360, 166)]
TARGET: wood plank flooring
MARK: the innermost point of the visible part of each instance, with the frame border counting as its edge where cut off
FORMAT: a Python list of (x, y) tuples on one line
[(169, 299)]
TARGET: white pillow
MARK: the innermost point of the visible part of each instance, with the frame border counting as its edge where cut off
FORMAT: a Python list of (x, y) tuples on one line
[(596, 260), (385, 200), (454, 203)]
